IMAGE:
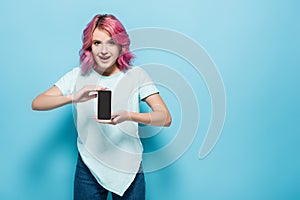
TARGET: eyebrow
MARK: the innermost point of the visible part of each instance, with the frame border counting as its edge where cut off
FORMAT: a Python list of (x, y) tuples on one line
[(96, 40)]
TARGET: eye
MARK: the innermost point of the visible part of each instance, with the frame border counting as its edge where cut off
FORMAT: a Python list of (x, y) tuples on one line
[(111, 42), (96, 43)]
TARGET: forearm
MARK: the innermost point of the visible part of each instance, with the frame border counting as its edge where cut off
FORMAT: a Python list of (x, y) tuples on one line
[(48, 102), (155, 118)]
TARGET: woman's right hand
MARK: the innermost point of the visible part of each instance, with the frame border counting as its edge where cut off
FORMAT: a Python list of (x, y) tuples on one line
[(53, 97), (86, 93)]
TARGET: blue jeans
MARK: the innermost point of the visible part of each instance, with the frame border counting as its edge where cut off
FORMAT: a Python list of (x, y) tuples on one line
[(86, 186)]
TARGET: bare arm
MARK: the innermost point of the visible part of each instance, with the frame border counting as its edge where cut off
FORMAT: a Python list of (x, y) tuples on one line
[(53, 98), (160, 115), (50, 99)]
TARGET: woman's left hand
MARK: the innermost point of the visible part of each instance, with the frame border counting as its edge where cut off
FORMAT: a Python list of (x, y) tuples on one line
[(116, 118)]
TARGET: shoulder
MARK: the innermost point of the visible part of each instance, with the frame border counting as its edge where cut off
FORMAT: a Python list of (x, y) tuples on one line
[(139, 76), (136, 70), (73, 72), (67, 81), (71, 75)]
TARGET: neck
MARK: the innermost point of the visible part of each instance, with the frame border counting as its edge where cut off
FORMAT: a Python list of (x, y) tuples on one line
[(108, 71)]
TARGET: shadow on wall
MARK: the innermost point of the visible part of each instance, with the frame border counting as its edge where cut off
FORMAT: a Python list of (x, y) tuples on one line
[(51, 163), (160, 181)]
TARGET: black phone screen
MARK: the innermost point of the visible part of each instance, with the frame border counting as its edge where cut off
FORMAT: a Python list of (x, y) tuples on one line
[(104, 105)]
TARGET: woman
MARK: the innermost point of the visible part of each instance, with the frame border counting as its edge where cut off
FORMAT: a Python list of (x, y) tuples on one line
[(110, 152)]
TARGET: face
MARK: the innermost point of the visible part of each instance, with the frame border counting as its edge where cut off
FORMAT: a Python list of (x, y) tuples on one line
[(105, 52)]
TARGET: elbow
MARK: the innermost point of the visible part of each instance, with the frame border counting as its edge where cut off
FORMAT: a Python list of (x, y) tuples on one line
[(33, 105), (168, 122)]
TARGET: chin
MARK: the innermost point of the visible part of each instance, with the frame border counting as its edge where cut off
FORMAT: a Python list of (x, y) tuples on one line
[(103, 68)]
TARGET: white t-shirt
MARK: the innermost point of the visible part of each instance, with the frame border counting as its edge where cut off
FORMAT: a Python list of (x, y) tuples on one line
[(113, 153)]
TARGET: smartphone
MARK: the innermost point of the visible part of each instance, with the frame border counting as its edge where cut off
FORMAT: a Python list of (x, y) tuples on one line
[(104, 105)]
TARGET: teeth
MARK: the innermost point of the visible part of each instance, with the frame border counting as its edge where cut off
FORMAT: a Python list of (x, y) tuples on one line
[(104, 58)]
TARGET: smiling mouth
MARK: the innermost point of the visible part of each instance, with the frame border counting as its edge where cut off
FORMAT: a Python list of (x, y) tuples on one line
[(104, 58)]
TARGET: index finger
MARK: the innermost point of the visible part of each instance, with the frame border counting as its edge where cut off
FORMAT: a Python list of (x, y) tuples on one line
[(95, 87)]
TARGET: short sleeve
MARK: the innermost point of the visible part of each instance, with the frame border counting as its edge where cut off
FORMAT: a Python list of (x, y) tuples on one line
[(147, 86), (66, 84)]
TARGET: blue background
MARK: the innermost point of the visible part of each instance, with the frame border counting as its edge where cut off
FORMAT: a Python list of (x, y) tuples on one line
[(255, 45)]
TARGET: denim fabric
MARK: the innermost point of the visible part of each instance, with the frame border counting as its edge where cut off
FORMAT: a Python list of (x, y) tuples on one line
[(86, 186)]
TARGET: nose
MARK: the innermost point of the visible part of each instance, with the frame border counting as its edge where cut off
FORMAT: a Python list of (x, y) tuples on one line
[(103, 50)]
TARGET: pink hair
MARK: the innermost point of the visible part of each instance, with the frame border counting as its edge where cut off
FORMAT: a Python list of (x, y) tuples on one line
[(118, 33)]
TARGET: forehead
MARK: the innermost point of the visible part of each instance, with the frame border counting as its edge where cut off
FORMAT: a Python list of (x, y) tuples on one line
[(100, 34)]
